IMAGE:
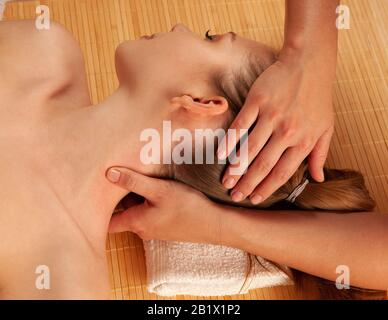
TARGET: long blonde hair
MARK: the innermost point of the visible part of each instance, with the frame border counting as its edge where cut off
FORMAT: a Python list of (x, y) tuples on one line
[(343, 190)]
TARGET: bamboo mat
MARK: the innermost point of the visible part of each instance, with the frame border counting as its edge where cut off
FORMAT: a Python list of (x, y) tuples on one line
[(361, 92)]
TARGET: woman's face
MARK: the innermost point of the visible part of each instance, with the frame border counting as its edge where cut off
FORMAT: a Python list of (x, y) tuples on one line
[(181, 60)]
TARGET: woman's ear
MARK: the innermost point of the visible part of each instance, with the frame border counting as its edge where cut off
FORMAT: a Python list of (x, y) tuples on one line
[(205, 106)]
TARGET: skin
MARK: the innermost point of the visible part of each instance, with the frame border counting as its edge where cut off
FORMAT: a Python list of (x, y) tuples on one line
[(289, 107), (56, 146), (313, 242), (54, 160)]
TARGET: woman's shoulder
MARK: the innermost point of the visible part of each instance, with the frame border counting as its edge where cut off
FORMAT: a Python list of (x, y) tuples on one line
[(43, 61)]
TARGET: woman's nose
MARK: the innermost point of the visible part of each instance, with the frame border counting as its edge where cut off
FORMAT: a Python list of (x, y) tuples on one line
[(180, 28)]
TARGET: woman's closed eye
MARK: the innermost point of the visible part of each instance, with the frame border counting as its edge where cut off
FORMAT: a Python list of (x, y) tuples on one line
[(208, 36), (232, 36)]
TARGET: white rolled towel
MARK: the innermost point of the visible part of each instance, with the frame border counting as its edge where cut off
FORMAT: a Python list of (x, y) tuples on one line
[(177, 268)]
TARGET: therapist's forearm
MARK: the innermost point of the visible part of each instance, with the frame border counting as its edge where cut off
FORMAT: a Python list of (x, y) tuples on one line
[(311, 24), (311, 33), (314, 242)]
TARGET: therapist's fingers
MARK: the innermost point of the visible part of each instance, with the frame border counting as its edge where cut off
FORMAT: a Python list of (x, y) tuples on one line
[(244, 120), (149, 188), (256, 141), (127, 220), (280, 174), (318, 156), (259, 169)]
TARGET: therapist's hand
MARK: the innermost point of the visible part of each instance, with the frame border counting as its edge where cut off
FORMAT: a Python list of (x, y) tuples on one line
[(290, 112), (171, 210)]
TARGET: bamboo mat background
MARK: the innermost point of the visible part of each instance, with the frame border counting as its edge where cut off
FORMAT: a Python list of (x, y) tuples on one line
[(361, 93)]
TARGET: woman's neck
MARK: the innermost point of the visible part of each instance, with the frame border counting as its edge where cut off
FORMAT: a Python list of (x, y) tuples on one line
[(82, 144)]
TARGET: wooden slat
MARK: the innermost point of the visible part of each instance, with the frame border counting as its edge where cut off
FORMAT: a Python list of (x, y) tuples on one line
[(361, 92)]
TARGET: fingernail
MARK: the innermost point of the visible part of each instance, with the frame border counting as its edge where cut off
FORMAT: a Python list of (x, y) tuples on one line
[(320, 178), (229, 183), (256, 199), (113, 175), (237, 196)]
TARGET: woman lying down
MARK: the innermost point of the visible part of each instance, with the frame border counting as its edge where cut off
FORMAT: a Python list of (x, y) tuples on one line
[(57, 201)]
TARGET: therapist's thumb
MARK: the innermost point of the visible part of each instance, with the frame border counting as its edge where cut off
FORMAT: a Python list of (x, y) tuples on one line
[(147, 187)]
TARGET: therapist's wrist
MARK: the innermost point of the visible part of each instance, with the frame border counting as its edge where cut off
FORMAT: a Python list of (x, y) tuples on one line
[(312, 43), (200, 224), (321, 61), (230, 228), (325, 53)]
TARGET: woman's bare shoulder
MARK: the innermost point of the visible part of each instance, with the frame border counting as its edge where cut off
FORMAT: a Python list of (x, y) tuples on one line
[(30, 56), (25, 31), (23, 34)]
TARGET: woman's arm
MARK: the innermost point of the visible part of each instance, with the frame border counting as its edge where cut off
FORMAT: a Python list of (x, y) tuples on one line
[(289, 107), (313, 242)]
